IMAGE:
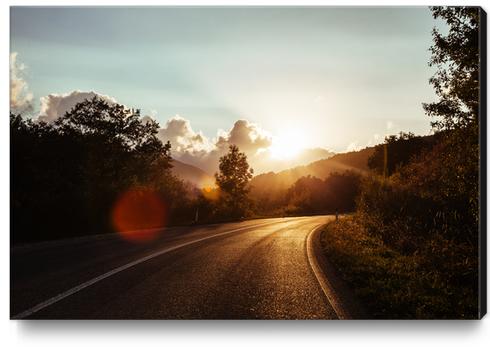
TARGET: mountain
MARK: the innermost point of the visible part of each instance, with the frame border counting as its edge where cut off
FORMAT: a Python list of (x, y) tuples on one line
[(192, 174), (272, 181), (264, 162), (269, 183)]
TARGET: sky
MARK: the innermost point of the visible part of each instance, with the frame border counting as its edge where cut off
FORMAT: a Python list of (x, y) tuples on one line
[(334, 78)]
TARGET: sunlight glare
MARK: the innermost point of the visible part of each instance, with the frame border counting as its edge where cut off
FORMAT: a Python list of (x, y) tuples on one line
[(287, 145)]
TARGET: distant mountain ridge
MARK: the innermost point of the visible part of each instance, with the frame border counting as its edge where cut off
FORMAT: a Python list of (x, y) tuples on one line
[(304, 157), (192, 174), (272, 182), (275, 181)]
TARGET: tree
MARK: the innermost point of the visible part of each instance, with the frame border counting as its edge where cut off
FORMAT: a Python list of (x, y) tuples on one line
[(233, 179), (457, 83), (114, 150), (457, 58), (337, 192), (71, 172), (117, 134), (397, 151)]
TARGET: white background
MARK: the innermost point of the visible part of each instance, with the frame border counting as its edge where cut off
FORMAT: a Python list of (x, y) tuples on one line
[(206, 333)]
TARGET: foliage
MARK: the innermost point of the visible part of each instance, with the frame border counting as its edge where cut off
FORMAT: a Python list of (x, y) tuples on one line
[(457, 58), (66, 176), (233, 179), (397, 150), (310, 195), (425, 208), (436, 282)]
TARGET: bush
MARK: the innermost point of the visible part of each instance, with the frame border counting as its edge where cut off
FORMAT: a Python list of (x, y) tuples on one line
[(427, 213), (435, 282)]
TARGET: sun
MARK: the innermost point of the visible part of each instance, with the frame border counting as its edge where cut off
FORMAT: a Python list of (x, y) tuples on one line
[(287, 145)]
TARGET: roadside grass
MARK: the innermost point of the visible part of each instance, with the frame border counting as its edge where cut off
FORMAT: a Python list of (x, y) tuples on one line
[(391, 285)]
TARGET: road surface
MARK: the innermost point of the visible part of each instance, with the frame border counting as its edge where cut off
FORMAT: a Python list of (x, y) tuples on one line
[(256, 269)]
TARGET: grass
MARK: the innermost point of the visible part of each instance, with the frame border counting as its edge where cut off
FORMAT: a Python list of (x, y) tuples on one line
[(391, 285)]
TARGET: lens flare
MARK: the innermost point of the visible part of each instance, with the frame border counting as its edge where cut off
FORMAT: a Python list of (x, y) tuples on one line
[(139, 215), (210, 193)]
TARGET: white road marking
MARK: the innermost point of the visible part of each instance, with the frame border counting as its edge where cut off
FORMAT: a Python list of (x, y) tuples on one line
[(321, 278), (84, 285)]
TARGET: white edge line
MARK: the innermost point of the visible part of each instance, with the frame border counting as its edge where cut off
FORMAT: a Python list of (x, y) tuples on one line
[(94, 280), (321, 278)]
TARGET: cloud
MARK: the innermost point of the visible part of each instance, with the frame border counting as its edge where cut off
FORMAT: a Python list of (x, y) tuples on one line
[(20, 97), (193, 147), (54, 106), (353, 146), (249, 137), (196, 149), (183, 138)]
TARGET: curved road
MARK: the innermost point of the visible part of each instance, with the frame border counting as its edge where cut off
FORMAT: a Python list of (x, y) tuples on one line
[(255, 269)]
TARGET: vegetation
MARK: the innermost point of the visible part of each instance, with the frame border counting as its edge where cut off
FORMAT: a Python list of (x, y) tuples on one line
[(457, 80), (395, 285), (67, 176), (232, 180), (282, 193), (410, 250), (311, 195), (412, 245), (397, 151), (70, 178)]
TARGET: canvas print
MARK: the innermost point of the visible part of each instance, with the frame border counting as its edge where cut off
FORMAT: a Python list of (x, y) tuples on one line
[(247, 163)]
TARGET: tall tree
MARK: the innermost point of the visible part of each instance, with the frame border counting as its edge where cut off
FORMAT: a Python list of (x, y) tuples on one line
[(457, 58), (71, 172), (457, 83), (233, 179)]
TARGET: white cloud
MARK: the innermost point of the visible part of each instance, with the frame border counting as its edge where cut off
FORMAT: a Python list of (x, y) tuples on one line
[(183, 138), (389, 125), (54, 106), (20, 97), (193, 147), (249, 137), (353, 146), (196, 149)]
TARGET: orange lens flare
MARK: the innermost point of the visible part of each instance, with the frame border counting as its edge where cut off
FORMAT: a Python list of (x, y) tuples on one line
[(210, 193), (138, 215)]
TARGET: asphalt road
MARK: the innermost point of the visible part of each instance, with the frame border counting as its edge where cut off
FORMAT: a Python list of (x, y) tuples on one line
[(255, 269)]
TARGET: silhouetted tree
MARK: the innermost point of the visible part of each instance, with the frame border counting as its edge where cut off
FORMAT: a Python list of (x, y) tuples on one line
[(457, 83), (311, 195), (397, 151), (306, 196), (430, 205), (233, 179), (457, 58), (67, 175)]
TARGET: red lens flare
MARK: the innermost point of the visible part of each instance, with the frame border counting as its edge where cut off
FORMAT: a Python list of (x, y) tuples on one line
[(138, 215)]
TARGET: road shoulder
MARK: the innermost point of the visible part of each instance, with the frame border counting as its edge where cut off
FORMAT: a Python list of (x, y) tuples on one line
[(340, 296)]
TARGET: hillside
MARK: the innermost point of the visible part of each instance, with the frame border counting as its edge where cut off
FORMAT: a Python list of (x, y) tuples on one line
[(192, 174), (272, 182)]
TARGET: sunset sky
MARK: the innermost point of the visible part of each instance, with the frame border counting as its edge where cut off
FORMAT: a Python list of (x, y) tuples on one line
[(336, 78)]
